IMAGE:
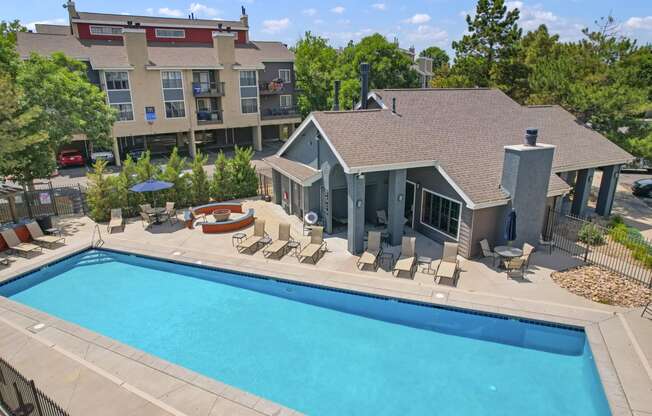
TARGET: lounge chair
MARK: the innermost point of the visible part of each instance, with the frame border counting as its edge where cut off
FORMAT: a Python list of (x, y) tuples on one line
[(171, 212), (252, 243), (279, 247), (16, 245), (448, 266), (487, 252), (316, 247), (39, 237), (407, 260), (116, 220), (373, 251)]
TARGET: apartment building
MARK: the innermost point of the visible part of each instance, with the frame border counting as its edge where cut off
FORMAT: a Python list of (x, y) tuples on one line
[(191, 83)]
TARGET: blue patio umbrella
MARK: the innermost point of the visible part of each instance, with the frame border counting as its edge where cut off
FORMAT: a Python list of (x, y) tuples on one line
[(151, 185), (510, 226)]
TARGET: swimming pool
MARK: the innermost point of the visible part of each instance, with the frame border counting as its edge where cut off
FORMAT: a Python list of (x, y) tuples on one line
[(320, 351)]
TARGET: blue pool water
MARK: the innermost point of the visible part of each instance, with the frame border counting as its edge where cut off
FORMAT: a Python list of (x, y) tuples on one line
[(320, 351)]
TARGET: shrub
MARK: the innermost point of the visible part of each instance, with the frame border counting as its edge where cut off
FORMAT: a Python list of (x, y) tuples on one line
[(222, 183), (199, 184), (174, 173), (616, 220), (631, 238), (101, 195), (590, 234), (245, 179)]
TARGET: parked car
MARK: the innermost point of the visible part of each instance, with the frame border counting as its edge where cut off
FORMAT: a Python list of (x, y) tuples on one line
[(70, 158), (102, 155), (642, 187), (136, 153)]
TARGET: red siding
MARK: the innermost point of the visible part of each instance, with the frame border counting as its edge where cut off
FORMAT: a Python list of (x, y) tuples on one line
[(192, 34)]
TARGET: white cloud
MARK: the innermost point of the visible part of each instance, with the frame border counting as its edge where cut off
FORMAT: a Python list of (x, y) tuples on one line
[(309, 12), (639, 23), (531, 17), (344, 37), (379, 6), (338, 9), (275, 26), (165, 11), (203, 10), (418, 19), (58, 21), (427, 34), (149, 10)]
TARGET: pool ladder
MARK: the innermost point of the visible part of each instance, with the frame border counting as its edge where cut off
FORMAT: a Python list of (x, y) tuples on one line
[(99, 242)]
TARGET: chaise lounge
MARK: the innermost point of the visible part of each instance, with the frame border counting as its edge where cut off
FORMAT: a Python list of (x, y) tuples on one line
[(279, 247), (316, 247), (39, 237), (407, 261), (252, 243), (448, 266), (373, 251), (18, 246)]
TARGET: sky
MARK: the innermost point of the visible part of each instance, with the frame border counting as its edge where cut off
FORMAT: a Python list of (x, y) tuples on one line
[(415, 23)]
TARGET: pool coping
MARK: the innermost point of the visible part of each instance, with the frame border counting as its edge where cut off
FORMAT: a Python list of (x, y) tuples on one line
[(539, 312)]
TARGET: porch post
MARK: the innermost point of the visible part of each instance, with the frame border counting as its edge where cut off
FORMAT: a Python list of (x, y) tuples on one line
[(276, 187), (116, 152), (396, 204), (607, 191), (582, 191), (192, 144), (355, 201), (258, 138)]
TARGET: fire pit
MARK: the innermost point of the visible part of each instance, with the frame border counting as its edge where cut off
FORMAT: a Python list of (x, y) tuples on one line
[(221, 214)]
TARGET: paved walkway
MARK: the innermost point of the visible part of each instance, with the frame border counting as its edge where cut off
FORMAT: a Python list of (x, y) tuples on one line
[(619, 338)]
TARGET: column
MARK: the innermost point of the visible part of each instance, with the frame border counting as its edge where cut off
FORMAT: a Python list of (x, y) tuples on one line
[(258, 138), (116, 152), (355, 200), (276, 187), (396, 204), (582, 191), (192, 145), (607, 191)]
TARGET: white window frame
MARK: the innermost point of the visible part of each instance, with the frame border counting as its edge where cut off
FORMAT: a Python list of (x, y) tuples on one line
[(240, 86), (289, 72), (183, 33), (108, 100), (115, 30), (133, 117), (183, 94), (106, 84), (459, 215), (280, 101)]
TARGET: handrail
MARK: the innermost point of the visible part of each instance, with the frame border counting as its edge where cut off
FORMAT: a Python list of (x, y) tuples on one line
[(100, 240)]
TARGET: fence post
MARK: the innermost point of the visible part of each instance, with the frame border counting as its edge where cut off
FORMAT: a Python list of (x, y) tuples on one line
[(36, 398), (54, 200), (83, 200), (27, 204)]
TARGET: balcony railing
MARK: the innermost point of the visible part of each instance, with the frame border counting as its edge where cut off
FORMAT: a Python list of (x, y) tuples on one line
[(273, 87), (273, 113), (209, 117), (208, 89)]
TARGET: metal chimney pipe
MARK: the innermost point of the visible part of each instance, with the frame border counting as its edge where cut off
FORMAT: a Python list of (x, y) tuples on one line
[(394, 105), (336, 96), (531, 135), (364, 84)]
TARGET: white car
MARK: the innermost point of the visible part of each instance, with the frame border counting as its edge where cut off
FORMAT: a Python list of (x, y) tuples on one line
[(102, 155)]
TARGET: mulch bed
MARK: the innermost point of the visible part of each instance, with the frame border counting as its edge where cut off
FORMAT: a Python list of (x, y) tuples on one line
[(603, 286)]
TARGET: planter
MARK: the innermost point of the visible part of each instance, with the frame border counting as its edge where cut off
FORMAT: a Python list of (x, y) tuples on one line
[(221, 214)]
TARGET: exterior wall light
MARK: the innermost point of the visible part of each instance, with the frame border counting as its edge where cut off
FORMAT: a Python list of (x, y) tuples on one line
[(358, 203), (400, 197)]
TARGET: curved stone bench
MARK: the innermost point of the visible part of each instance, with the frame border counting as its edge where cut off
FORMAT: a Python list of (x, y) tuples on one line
[(233, 224)]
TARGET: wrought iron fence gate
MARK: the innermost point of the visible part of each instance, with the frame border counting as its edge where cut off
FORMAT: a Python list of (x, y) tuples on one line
[(43, 200)]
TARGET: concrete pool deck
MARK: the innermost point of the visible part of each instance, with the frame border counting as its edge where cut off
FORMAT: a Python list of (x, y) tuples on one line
[(619, 339)]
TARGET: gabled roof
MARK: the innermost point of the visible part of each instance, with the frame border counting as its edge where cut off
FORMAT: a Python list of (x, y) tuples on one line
[(462, 132)]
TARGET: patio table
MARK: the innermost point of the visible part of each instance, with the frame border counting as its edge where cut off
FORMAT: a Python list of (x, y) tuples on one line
[(508, 252), (156, 213)]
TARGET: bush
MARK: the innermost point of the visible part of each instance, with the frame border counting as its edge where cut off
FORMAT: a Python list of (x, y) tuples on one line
[(222, 184), (199, 184), (631, 238), (102, 192), (590, 234), (245, 179)]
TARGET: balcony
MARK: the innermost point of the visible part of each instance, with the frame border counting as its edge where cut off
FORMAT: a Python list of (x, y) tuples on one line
[(209, 117), (274, 87), (208, 89), (280, 113)]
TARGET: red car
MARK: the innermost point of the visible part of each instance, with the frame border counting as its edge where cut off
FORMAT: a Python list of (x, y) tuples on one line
[(70, 158)]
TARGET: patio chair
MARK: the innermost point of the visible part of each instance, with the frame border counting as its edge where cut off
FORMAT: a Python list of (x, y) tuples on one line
[(116, 220), (39, 237), (407, 260), (279, 247), (372, 254), (171, 212), (145, 207), (527, 253), (16, 245), (316, 247), (488, 252), (448, 267), (147, 219), (516, 263), (252, 243)]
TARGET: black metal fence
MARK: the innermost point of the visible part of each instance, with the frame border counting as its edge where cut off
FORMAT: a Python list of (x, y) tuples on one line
[(264, 185), (595, 244), (43, 200), (21, 397)]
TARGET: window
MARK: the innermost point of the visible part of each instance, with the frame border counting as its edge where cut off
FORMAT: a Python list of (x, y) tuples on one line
[(170, 33), (173, 94), (117, 80), (285, 75), (440, 213), (286, 101), (125, 112), (248, 92), (106, 30)]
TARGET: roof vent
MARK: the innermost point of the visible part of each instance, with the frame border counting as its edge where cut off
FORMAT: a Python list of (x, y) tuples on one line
[(531, 135), (394, 105), (130, 23), (364, 84)]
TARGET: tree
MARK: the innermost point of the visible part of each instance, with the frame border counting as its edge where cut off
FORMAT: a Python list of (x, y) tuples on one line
[(243, 172), (101, 194), (314, 63), (174, 173), (438, 55), (9, 29), (222, 184), (492, 40), (199, 185)]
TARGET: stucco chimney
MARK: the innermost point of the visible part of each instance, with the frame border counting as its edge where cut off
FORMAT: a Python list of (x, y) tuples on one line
[(525, 177), (135, 42), (224, 44)]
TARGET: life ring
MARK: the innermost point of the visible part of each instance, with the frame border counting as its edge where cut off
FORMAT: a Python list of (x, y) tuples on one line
[(311, 218)]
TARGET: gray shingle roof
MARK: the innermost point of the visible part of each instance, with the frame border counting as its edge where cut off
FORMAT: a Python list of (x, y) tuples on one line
[(464, 132), (298, 172)]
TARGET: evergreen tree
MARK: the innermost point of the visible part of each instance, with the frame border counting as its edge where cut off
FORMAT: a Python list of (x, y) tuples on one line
[(222, 184), (244, 177), (199, 184)]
